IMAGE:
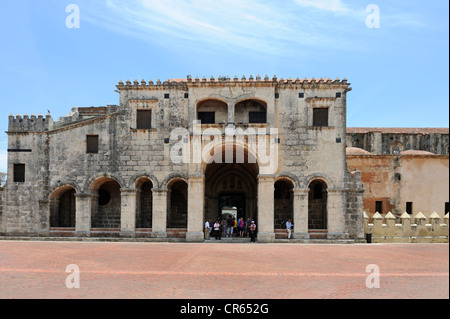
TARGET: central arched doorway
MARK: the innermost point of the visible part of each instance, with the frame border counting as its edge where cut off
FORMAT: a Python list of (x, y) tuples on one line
[(232, 186)]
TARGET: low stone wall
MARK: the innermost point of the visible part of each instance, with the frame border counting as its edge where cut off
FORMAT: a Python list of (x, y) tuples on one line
[(418, 229)]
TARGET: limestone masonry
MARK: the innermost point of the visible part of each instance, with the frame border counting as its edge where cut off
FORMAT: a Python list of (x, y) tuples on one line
[(174, 154)]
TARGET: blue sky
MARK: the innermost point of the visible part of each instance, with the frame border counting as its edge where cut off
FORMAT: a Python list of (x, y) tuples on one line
[(399, 72)]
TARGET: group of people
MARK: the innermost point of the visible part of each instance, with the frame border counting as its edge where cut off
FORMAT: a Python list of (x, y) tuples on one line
[(227, 227)]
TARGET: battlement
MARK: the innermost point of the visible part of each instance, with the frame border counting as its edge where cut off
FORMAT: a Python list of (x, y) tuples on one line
[(182, 83), (418, 229), (40, 123), (33, 123)]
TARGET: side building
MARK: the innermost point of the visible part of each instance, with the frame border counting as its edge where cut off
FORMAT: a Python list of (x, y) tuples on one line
[(174, 154), (402, 169)]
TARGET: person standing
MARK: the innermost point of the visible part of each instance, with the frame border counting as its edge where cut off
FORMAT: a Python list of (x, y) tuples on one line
[(207, 230), (241, 227), (247, 227), (217, 231), (253, 232), (230, 227), (224, 227), (289, 228)]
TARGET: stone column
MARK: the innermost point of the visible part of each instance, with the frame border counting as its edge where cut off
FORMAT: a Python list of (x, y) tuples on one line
[(266, 206), (301, 214), (336, 209), (196, 195), (128, 212), (159, 222), (83, 203), (231, 112)]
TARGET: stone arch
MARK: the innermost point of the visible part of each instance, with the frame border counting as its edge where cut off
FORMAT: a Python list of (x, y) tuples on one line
[(239, 151), (170, 179), (318, 204), (319, 176), (144, 202), (288, 177), (231, 183), (63, 205), (251, 111), (106, 200), (139, 178), (177, 214), (93, 183), (212, 111), (283, 201), (396, 148)]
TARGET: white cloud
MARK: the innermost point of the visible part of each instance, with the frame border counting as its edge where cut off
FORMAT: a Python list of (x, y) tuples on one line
[(328, 5), (263, 26)]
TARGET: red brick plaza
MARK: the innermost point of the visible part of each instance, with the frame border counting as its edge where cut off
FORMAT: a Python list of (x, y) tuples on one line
[(32, 269)]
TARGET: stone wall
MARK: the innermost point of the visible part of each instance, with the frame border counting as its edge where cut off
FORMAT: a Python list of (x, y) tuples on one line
[(379, 141), (395, 180), (55, 155), (407, 229)]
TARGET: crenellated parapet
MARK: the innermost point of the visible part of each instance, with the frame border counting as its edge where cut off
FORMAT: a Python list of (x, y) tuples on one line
[(418, 229), (226, 80), (31, 123)]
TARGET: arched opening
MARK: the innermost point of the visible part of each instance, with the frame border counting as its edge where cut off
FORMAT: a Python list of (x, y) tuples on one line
[(212, 112), (106, 204), (251, 112), (178, 207), (317, 206), (396, 148), (232, 186), (63, 208), (283, 203), (144, 212)]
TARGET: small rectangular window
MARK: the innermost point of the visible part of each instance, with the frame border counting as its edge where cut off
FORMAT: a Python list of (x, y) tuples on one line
[(257, 117), (379, 207), (320, 117), (409, 208), (207, 117), (447, 208), (92, 144), (19, 173), (144, 119)]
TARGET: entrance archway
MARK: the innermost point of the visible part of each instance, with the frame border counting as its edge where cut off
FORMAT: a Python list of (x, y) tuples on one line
[(232, 187)]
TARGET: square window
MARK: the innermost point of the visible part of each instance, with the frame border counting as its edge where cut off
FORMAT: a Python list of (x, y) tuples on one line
[(19, 173), (257, 117), (92, 144), (320, 117), (207, 117), (144, 119)]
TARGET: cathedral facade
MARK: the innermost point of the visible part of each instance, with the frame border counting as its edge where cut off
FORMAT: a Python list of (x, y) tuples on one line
[(175, 154)]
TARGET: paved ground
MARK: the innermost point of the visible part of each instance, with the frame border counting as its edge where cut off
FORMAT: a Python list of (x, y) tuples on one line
[(222, 271)]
